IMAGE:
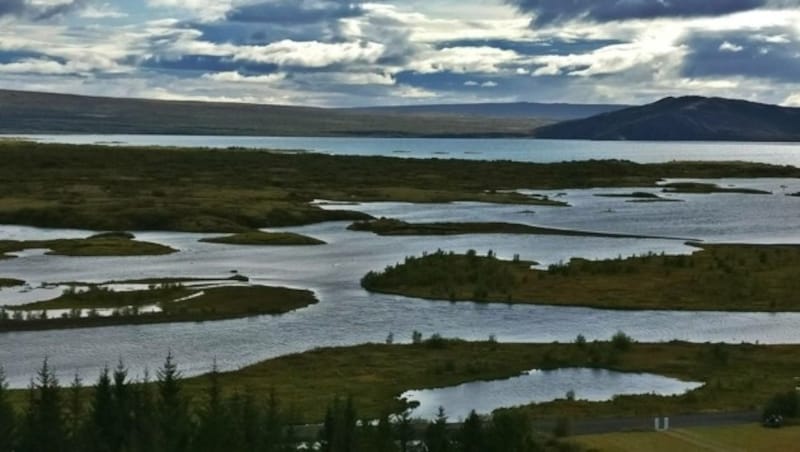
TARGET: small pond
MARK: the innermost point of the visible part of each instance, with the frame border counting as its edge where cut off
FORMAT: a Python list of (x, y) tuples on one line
[(538, 386)]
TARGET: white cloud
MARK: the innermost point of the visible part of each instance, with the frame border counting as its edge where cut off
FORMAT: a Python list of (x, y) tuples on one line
[(462, 60), (310, 54), (792, 101), (236, 77), (730, 47)]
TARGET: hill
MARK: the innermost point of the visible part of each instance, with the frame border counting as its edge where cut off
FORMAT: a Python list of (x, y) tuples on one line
[(30, 113), (685, 118), (560, 112)]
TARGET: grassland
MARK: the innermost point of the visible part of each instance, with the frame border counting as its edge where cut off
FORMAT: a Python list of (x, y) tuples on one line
[(261, 238), (105, 188), (390, 227), (747, 438), (716, 277), (177, 303), (114, 244), (738, 377)]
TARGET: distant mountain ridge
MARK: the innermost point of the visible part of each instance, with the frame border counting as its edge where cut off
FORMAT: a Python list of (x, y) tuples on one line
[(23, 112), (690, 118), (555, 111)]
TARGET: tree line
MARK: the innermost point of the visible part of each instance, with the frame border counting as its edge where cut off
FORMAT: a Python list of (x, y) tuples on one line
[(119, 414)]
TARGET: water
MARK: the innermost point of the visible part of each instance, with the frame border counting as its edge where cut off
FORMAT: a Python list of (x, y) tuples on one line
[(536, 386), (347, 315), (522, 150)]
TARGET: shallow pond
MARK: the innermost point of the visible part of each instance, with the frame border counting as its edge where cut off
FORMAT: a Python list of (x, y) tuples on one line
[(536, 386)]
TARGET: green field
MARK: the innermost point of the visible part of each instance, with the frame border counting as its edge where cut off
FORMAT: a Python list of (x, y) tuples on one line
[(201, 190), (716, 277), (746, 438)]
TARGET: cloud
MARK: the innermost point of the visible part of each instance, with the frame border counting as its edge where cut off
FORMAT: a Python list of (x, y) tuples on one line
[(792, 101), (730, 47), (39, 11), (236, 77), (548, 12)]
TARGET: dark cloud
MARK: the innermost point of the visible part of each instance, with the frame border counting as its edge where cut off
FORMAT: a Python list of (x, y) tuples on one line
[(25, 9), (286, 12), (769, 54), (555, 11)]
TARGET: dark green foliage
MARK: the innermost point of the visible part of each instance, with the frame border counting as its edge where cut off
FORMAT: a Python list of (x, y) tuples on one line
[(43, 427), (621, 341), (786, 404), (172, 410), (122, 415), (8, 422)]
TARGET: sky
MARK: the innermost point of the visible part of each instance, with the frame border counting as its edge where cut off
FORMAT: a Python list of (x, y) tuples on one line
[(398, 52)]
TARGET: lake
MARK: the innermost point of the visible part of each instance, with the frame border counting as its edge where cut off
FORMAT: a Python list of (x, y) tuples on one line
[(521, 150), (348, 315)]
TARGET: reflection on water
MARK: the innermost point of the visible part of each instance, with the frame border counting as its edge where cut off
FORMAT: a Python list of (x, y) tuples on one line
[(537, 386), (348, 315)]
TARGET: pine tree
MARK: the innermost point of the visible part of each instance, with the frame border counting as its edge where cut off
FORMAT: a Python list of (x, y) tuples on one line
[(213, 433), (143, 436), (173, 419), (436, 437), (122, 421), (472, 439), (8, 421), (102, 414), (76, 440), (43, 430)]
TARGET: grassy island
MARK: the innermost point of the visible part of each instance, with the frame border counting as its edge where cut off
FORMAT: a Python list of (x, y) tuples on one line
[(638, 196), (390, 226), (104, 244), (202, 190), (9, 282), (704, 188), (261, 238), (176, 303), (717, 277)]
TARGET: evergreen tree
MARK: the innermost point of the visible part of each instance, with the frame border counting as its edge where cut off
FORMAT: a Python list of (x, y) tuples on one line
[(472, 439), (122, 421), (44, 421), (404, 431), (384, 439), (8, 421), (174, 425), (102, 414), (143, 436), (212, 433), (436, 437), (75, 417)]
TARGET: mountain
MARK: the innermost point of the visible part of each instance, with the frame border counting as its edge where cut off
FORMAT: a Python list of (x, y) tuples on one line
[(685, 118), (23, 112), (560, 112)]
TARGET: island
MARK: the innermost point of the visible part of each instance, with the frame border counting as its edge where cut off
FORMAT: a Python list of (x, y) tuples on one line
[(160, 303), (98, 245), (262, 238), (718, 277)]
